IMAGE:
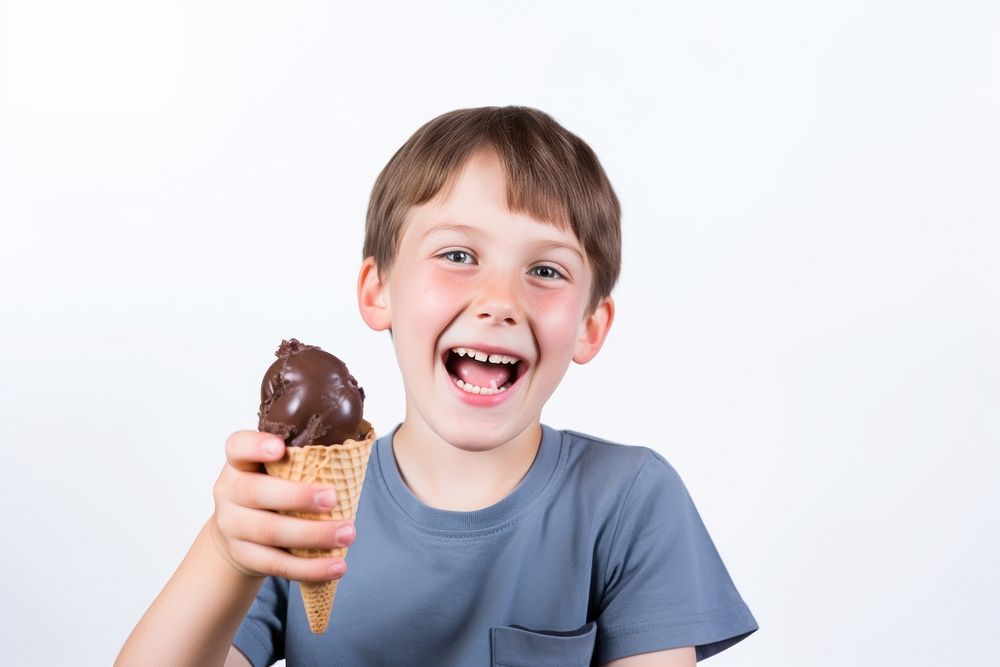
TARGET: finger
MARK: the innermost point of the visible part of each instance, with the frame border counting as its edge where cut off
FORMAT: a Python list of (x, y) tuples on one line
[(288, 532), (246, 450), (273, 493), (278, 563)]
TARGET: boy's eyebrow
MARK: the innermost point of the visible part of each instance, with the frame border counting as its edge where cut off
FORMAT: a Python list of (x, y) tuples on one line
[(559, 244), (451, 227)]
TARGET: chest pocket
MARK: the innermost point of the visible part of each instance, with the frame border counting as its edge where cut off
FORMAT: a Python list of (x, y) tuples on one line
[(516, 646)]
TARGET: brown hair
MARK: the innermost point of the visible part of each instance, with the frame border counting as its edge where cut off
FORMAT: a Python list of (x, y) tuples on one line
[(551, 174)]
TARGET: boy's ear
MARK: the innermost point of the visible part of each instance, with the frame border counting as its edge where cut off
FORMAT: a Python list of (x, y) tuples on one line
[(373, 296), (594, 330)]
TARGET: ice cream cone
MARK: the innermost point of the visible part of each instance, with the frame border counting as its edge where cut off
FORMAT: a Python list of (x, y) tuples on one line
[(343, 467)]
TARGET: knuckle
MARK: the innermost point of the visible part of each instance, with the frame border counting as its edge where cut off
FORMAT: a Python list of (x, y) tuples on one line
[(246, 556), (217, 494), (245, 491), (280, 567), (224, 475), (239, 444), (224, 522), (232, 443), (240, 554), (268, 531), (220, 490)]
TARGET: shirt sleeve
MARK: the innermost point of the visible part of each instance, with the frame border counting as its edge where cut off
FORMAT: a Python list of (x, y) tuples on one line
[(261, 635), (665, 584)]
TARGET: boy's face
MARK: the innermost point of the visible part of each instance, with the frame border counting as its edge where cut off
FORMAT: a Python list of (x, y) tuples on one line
[(471, 274)]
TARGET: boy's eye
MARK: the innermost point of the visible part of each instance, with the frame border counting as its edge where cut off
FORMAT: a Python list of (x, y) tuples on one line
[(546, 272), (457, 256)]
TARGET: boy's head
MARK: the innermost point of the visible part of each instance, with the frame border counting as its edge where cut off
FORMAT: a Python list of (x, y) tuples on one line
[(550, 173), (491, 248)]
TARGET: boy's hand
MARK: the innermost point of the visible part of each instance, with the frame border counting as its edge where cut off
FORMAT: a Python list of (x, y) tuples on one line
[(250, 534)]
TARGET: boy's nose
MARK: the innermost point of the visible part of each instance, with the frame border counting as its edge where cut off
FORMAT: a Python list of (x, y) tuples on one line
[(498, 304), (499, 314)]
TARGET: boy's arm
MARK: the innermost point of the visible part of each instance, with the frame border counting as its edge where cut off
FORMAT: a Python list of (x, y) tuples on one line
[(195, 617), (675, 657)]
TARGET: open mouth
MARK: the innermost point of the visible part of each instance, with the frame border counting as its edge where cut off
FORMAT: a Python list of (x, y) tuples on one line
[(479, 372)]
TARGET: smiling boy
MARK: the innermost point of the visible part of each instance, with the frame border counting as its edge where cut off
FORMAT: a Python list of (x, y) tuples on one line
[(483, 537)]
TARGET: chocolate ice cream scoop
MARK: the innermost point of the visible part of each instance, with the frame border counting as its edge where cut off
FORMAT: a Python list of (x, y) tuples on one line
[(308, 397)]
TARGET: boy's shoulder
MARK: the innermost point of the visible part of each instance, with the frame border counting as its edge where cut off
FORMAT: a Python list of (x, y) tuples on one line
[(614, 453), (615, 465)]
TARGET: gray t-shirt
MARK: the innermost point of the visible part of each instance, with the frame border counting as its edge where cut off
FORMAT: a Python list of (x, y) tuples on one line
[(599, 553)]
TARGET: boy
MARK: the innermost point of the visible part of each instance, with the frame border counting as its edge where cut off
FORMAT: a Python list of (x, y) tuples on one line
[(483, 537)]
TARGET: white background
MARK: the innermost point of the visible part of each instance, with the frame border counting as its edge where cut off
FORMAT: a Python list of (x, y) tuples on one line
[(808, 314)]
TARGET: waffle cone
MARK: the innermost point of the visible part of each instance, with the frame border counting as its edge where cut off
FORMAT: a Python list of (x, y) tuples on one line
[(342, 467)]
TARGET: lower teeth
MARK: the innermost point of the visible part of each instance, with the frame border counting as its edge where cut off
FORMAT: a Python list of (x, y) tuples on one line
[(470, 388)]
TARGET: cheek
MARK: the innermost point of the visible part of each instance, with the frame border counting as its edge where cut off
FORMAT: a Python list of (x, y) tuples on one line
[(441, 290), (425, 299), (557, 320)]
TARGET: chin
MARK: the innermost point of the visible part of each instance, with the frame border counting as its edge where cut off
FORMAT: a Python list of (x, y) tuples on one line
[(483, 438), (482, 442)]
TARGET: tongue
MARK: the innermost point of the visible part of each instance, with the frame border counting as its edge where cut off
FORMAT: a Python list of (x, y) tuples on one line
[(481, 373)]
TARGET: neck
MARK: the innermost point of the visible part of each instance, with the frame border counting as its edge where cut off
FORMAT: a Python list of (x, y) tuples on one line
[(445, 477)]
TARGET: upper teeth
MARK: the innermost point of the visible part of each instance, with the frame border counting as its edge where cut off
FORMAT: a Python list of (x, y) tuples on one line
[(479, 355)]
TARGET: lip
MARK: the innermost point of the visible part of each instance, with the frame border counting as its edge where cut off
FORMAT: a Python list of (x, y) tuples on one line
[(479, 400)]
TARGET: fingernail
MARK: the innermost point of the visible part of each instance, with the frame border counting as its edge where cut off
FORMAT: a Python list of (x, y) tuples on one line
[(272, 447), (325, 499), (337, 569), (345, 533)]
